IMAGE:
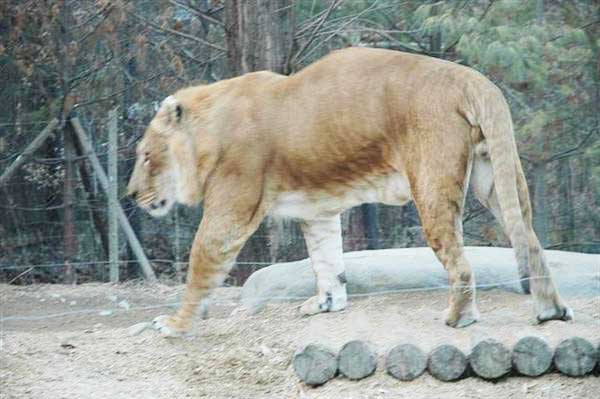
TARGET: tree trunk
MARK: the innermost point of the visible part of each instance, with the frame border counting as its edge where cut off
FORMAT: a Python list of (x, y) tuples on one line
[(539, 11), (69, 234), (435, 40), (565, 205), (540, 214), (369, 214), (88, 187), (259, 35), (113, 197)]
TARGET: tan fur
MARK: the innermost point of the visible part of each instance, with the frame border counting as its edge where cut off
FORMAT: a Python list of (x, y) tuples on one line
[(357, 119)]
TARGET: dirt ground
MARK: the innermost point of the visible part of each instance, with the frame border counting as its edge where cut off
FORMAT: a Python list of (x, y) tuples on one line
[(81, 346)]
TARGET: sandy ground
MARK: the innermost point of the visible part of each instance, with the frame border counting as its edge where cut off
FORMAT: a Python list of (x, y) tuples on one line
[(81, 348)]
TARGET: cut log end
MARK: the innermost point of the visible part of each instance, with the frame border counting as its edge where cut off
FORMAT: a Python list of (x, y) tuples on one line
[(447, 363), (532, 356), (315, 364), (357, 360), (405, 362), (575, 357), (490, 359)]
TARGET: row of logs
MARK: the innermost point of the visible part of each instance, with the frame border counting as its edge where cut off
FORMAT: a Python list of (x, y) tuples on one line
[(489, 359)]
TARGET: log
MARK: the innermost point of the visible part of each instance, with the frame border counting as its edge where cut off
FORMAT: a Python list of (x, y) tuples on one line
[(357, 360), (405, 362), (28, 152), (447, 363), (86, 145), (532, 356), (575, 357), (314, 364), (490, 359)]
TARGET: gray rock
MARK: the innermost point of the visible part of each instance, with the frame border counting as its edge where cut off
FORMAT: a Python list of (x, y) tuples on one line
[(490, 359), (138, 328), (405, 362), (447, 363), (575, 357), (105, 312), (314, 364), (124, 304), (532, 356), (410, 268), (357, 360)]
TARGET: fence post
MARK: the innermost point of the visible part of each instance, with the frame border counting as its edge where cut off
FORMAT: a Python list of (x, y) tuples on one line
[(113, 189)]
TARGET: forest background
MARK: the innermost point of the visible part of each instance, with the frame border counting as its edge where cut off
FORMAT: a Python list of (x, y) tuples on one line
[(84, 58)]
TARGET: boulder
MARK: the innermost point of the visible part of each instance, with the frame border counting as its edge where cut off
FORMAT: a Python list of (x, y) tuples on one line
[(416, 268)]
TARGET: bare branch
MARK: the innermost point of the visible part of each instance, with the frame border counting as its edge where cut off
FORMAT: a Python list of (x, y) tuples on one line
[(573, 150), (334, 4), (106, 11), (394, 41), (341, 27), (90, 71), (177, 33), (197, 13), (112, 95)]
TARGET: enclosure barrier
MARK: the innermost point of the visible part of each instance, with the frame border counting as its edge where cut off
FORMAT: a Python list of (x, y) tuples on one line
[(489, 359)]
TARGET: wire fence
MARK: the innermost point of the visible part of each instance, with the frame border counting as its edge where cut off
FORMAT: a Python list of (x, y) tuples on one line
[(52, 219), (32, 238), (283, 298)]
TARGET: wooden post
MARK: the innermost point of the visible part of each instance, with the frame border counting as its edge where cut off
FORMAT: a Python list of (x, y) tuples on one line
[(29, 150), (69, 234), (113, 188), (103, 179)]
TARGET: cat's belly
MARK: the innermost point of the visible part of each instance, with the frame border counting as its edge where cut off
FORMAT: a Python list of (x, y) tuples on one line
[(392, 190)]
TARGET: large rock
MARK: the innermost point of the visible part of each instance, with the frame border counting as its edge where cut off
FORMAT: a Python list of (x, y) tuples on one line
[(413, 268)]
